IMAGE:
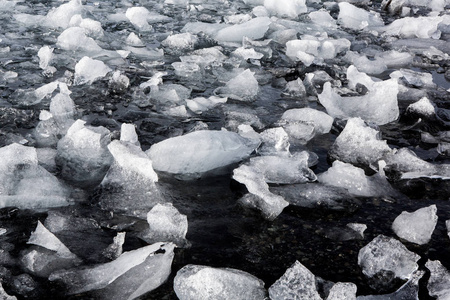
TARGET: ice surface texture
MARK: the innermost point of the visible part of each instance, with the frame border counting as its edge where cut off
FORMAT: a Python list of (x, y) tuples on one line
[(416, 227)]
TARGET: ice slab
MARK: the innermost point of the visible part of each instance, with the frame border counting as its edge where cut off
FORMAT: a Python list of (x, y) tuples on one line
[(88, 70), (296, 283), (199, 152), (323, 18), (357, 18), (286, 8), (114, 250), (201, 104), (202, 282), (254, 29), (129, 276), (418, 226), (75, 39), (359, 144), (439, 282), (342, 291), (128, 134), (385, 255), (243, 87), (410, 27)]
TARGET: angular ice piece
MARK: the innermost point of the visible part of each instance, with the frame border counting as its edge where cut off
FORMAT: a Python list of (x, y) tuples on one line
[(363, 64), (82, 154), (118, 82), (439, 282), (356, 18), (274, 141), (3, 294), (57, 222), (155, 260), (246, 53), (424, 107), (190, 71), (286, 8), (295, 88), (254, 29), (359, 144), (93, 28), (271, 205), (294, 121), (88, 70), (45, 55), (420, 27), (134, 40), (358, 228), (414, 78), (139, 16), (201, 104), (342, 291), (385, 254), (60, 16), (199, 152), (243, 87), (202, 282), (75, 39), (410, 290), (114, 250), (180, 41), (355, 181), (416, 227), (170, 93), (323, 18), (296, 283)]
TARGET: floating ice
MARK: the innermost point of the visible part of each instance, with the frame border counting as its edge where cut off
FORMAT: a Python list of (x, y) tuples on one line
[(128, 134), (247, 53), (295, 88), (181, 41), (296, 283), (420, 27), (381, 62), (129, 276), (387, 255), (416, 227), (114, 250), (199, 152), (169, 93), (57, 222), (75, 39), (60, 16), (82, 154), (139, 16), (88, 70), (379, 105), (286, 8), (201, 104), (342, 291), (243, 87), (356, 18), (323, 18), (414, 78), (274, 141), (424, 107), (93, 28), (4, 295), (359, 144), (202, 282), (254, 29), (439, 282), (447, 223), (45, 55), (134, 40)]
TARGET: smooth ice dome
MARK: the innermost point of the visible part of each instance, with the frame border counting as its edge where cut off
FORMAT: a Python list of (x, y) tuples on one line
[(416, 227), (88, 70), (385, 254), (199, 152), (243, 87), (296, 283), (202, 282)]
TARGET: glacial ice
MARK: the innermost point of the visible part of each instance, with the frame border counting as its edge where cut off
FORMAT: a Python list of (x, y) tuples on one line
[(323, 18), (424, 108), (410, 27), (181, 41), (387, 255), (4, 295), (88, 70), (286, 8), (139, 16), (296, 283), (357, 18), (439, 282), (254, 29), (201, 104), (202, 282), (75, 39), (45, 55), (243, 87), (199, 152), (359, 144), (60, 16), (128, 134), (274, 141), (418, 226), (114, 250), (93, 28), (342, 291)]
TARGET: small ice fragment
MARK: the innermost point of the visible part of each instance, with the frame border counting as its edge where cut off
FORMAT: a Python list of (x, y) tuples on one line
[(343, 291), (60, 16), (114, 250), (356, 18), (88, 70), (418, 226), (180, 41), (202, 282), (286, 8), (45, 55), (128, 134), (274, 141), (118, 82), (139, 16), (201, 104), (93, 28), (134, 40), (323, 18), (439, 282), (424, 107), (358, 228), (447, 223), (243, 87), (4, 295), (254, 29), (75, 39)]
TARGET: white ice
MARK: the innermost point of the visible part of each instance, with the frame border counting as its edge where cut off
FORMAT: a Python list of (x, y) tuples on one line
[(274, 141), (201, 104), (439, 282), (93, 28), (139, 17), (88, 70), (180, 41), (167, 224), (254, 29), (286, 8), (75, 39), (243, 87), (60, 16), (424, 107), (357, 18), (342, 291)]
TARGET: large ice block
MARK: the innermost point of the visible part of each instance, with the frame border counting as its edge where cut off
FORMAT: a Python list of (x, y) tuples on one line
[(418, 226)]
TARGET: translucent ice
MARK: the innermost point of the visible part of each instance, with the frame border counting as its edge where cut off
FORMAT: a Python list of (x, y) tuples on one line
[(93, 28), (356, 18), (202, 282), (385, 254), (439, 282), (286, 8), (418, 226), (60, 16), (88, 70), (254, 29), (323, 18), (139, 16), (201, 104), (342, 291), (447, 223), (4, 295), (420, 27), (115, 249), (274, 141), (181, 41), (359, 144), (243, 87), (128, 134), (199, 152), (75, 39), (424, 107), (45, 55), (296, 120), (296, 283)]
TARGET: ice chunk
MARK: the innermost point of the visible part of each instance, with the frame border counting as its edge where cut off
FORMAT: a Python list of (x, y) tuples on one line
[(342, 291), (88, 70), (202, 282), (254, 29), (243, 87), (4, 295), (134, 40), (118, 82), (58, 222), (82, 154), (439, 282), (415, 79), (199, 152), (387, 255), (45, 55), (60, 16), (139, 16), (187, 70), (311, 49), (358, 228), (128, 134), (356, 18), (296, 283), (246, 53), (323, 18), (420, 27), (416, 227), (114, 250), (130, 275), (295, 88), (201, 104), (410, 290), (424, 107), (359, 144), (75, 39), (275, 141), (355, 181), (261, 198), (93, 28), (180, 41), (166, 223), (286, 8), (170, 93)]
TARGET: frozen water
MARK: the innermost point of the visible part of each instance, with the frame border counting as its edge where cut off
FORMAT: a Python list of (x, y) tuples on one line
[(75, 39), (119, 82), (323, 18), (447, 223), (82, 154), (57, 222), (139, 16), (60, 16), (199, 152), (420, 27), (134, 40), (128, 134), (269, 204), (243, 87), (4, 295), (93, 28), (114, 250), (387, 255), (410, 290), (130, 275), (439, 282), (247, 53), (424, 107), (296, 283), (356, 18), (181, 41), (254, 29), (168, 94), (286, 8), (88, 70), (379, 105), (342, 291), (202, 282), (295, 88), (201, 104), (187, 70), (359, 144), (414, 78), (45, 55), (274, 141), (416, 227)]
